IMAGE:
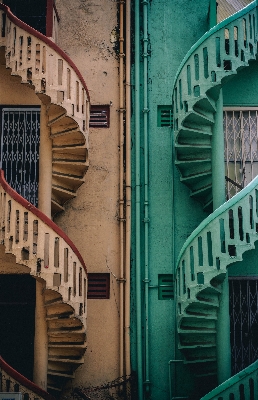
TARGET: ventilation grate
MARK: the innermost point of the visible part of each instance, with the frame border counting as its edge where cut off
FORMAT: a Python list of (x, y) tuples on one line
[(99, 116), (166, 286), (98, 286), (165, 116)]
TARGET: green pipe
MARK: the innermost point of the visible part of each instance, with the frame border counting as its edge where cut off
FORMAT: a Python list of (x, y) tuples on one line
[(218, 163), (212, 13), (146, 190), (138, 203)]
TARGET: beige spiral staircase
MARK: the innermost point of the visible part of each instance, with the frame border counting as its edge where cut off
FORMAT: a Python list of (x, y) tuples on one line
[(44, 67), (34, 240)]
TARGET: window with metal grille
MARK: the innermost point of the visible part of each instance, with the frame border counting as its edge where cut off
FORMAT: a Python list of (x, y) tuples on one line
[(165, 286), (20, 138), (99, 116), (98, 286), (241, 147), (165, 116)]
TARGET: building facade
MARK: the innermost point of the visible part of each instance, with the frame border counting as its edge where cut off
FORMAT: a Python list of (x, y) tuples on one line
[(129, 199)]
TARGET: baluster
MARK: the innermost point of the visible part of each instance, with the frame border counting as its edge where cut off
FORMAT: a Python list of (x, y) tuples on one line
[(85, 295), (65, 273), (205, 249), (246, 218)]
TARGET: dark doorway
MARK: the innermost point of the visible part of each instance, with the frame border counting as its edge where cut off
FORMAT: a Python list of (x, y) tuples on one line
[(243, 300), (17, 322), (31, 12)]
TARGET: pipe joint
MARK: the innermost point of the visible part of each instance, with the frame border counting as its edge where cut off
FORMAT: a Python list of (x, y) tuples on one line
[(145, 2), (145, 110), (146, 220), (146, 280), (145, 55), (121, 280)]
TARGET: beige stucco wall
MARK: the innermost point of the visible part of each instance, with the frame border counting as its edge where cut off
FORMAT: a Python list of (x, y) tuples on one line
[(87, 34), (12, 92)]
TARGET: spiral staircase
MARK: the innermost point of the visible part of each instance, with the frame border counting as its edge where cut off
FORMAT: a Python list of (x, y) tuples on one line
[(210, 63), (26, 233), (232, 229), (46, 69)]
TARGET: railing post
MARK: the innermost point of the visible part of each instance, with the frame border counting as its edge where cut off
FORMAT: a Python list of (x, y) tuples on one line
[(45, 189), (45, 164), (218, 189), (40, 340), (223, 335)]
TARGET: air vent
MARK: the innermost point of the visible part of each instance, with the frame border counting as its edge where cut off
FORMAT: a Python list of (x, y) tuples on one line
[(99, 116), (166, 286), (98, 286), (165, 116)]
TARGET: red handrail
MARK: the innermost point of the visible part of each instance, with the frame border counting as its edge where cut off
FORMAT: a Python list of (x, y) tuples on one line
[(42, 37), (15, 196), (24, 381)]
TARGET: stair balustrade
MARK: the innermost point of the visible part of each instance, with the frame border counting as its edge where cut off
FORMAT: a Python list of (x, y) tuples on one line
[(215, 58), (220, 240), (39, 244), (243, 385), (12, 381), (43, 66)]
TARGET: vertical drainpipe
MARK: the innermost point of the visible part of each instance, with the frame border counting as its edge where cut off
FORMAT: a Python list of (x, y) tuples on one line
[(128, 185), (121, 186), (212, 13), (218, 189), (138, 278), (146, 189)]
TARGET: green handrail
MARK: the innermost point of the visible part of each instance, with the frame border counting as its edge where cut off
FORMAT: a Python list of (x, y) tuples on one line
[(228, 204), (216, 28), (232, 385)]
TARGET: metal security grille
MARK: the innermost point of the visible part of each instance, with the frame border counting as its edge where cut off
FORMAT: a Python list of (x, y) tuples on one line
[(20, 150), (241, 148), (243, 299)]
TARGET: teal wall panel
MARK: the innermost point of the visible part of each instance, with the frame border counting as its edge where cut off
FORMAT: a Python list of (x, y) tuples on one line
[(242, 90), (172, 31)]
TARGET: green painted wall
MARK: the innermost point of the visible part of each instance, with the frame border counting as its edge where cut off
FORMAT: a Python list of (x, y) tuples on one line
[(172, 31), (247, 267), (242, 90)]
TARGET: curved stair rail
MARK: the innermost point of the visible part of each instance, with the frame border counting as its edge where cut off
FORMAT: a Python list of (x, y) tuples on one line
[(216, 57), (12, 381), (38, 243), (220, 240), (42, 65), (243, 385)]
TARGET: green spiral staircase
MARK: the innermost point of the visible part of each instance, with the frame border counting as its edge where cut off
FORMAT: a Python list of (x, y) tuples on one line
[(214, 59), (232, 229)]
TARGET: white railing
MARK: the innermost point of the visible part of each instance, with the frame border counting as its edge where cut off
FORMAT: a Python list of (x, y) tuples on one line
[(40, 62), (12, 381), (42, 246)]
